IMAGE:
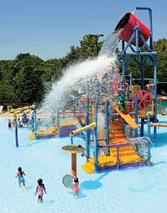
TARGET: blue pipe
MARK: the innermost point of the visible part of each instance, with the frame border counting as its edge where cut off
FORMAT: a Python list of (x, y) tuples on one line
[(129, 42), (151, 26), (107, 121), (123, 78), (131, 79), (142, 87), (136, 54), (95, 129), (74, 105), (148, 125), (95, 150), (87, 136), (149, 152), (136, 29), (35, 120), (58, 120), (155, 99), (16, 133), (79, 103), (117, 163), (72, 141), (136, 111)]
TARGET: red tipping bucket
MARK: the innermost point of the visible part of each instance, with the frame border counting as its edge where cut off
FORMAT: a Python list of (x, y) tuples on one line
[(127, 24)]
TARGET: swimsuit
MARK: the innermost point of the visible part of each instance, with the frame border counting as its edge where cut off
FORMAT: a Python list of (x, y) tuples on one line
[(40, 190), (76, 188)]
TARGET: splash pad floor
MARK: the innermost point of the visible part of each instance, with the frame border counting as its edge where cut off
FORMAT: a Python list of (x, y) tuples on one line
[(139, 190)]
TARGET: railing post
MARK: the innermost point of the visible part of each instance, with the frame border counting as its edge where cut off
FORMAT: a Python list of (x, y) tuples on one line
[(117, 163)]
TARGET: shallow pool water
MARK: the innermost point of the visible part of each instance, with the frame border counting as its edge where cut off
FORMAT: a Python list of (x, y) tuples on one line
[(141, 190)]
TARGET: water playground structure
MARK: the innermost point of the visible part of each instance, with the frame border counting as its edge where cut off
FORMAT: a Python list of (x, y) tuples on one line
[(64, 123), (111, 114), (122, 143)]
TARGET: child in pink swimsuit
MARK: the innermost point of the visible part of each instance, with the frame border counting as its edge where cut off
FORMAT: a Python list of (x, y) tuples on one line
[(76, 186), (40, 190)]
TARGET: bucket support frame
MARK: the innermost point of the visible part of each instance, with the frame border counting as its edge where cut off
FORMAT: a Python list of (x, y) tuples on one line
[(130, 53)]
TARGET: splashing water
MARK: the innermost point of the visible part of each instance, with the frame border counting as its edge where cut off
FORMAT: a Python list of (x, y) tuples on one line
[(108, 48), (110, 44), (101, 124), (76, 76)]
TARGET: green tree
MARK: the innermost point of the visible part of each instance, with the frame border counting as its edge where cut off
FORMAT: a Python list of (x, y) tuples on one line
[(28, 86)]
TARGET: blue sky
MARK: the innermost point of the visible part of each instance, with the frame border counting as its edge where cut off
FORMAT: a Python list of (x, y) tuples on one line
[(47, 28)]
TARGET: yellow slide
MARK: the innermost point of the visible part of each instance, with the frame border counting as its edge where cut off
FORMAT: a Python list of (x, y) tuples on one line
[(129, 120), (44, 133), (18, 110)]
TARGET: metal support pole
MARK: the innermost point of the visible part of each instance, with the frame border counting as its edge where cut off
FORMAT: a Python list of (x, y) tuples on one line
[(149, 152), (130, 76), (155, 98), (87, 136), (136, 111), (148, 125), (95, 149), (72, 140), (117, 163), (16, 134), (151, 26), (107, 121), (79, 107), (58, 120), (35, 120), (142, 72), (123, 77), (136, 29), (74, 105)]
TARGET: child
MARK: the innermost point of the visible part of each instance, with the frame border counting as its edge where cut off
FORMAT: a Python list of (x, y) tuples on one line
[(20, 174), (9, 124), (76, 186), (121, 101), (40, 190)]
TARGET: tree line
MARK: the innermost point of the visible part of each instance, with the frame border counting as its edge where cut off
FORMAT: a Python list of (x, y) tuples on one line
[(24, 80)]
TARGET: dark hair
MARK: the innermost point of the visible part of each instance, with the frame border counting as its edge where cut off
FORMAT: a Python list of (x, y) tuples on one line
[(40, 181), (76, 180), (20, 169)]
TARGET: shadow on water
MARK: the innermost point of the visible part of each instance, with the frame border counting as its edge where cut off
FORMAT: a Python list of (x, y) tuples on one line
[(79, 196), (92, 184), (159, 163), (32, 143)]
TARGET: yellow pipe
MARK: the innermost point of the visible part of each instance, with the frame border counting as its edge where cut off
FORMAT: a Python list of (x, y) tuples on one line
[(77, 131), (23, 108)]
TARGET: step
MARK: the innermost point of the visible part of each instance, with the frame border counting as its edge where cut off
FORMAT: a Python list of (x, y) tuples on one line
[(117, 135), (88, 168), (117, 140), (131, 159), (123, 154), (116, 131), (123, 149)]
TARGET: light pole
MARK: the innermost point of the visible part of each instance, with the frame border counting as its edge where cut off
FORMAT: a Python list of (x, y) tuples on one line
[(97, 36)]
